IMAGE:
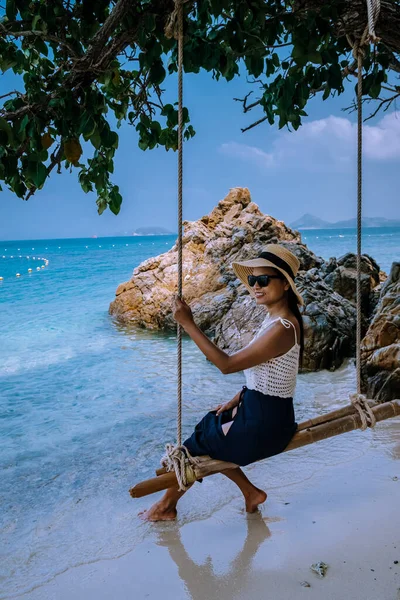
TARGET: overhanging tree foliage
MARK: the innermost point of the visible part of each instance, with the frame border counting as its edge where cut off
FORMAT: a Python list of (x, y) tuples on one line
[(87, 64)]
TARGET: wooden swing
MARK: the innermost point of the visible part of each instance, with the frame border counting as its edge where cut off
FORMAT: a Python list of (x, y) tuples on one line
[(180, 468)]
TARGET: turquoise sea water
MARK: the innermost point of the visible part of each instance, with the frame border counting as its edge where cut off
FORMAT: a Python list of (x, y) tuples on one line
[(86, 405)]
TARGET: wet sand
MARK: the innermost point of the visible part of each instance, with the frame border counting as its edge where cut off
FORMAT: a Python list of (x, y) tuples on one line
[(347, 515)]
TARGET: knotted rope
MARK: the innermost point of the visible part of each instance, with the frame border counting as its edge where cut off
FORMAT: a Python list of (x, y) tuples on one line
[(368, 36), (359, 401), (178, 459), (172, 28)]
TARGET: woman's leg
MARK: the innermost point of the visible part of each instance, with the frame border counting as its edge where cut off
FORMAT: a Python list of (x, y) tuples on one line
[(164, 509), (253, 496)]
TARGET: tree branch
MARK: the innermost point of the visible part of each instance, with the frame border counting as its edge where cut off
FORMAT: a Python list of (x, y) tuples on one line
[(10, 94), (45, 36), (387, 101), (247, 107), (254, 124)]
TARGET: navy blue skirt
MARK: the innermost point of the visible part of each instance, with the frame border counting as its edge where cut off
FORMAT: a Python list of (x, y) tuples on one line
[(263, 426)]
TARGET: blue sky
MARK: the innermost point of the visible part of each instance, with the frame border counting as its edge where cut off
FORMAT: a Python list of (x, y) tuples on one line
[(288, 174)]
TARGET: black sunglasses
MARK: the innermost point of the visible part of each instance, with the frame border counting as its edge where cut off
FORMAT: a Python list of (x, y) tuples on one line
[(263, 280)]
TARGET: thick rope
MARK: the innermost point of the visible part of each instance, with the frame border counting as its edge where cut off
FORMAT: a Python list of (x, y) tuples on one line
[(180, 196), (373, 8), (172, 28), (367, 416), (178, 459), (368, 36), (360, 56)]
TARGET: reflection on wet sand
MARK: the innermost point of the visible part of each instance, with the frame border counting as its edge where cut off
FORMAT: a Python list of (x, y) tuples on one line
[(200, 580), (388, 436)]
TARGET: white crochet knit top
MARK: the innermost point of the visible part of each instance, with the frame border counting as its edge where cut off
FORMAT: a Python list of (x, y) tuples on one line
[(277, 376)]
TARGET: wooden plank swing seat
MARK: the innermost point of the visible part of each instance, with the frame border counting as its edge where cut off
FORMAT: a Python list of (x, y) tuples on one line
[(320, 428)]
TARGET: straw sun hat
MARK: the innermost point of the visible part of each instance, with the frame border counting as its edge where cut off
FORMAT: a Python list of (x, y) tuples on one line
[(273, 255)]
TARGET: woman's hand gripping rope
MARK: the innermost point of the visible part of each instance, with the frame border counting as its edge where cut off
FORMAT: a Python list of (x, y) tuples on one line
[(181, 311)]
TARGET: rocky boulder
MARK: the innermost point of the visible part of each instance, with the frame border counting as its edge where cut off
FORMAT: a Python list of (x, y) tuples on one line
[(380, 348), (341, 276)]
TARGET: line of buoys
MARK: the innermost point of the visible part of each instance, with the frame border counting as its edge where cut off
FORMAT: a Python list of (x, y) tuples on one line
[(45, 260)]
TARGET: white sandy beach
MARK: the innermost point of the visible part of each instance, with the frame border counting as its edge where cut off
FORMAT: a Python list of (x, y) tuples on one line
[(346, 515)]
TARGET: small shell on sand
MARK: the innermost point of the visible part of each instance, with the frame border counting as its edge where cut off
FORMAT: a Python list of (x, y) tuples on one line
[(319, 568)]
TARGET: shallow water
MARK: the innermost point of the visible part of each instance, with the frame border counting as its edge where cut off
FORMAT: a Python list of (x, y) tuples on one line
[(86, 407)]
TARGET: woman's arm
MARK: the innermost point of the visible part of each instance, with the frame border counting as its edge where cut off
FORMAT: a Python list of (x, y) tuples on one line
[(273, 342), (277, 340)]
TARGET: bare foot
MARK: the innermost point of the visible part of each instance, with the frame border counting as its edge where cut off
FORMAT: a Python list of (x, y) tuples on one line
[(158, 512), (254, 499)]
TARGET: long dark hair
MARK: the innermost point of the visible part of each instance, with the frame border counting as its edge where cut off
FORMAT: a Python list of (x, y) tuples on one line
[(294, 308)]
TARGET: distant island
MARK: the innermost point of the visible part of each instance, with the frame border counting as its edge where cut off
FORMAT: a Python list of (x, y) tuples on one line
[(308, 221), (152, 231)]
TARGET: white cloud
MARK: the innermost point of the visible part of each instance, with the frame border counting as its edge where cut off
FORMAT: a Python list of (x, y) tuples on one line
[(383, 141), (324, 144), (250, 153)]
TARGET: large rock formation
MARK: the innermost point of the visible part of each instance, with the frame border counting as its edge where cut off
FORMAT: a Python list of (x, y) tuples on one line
[(237, 230), (341, 275), (380, 348)]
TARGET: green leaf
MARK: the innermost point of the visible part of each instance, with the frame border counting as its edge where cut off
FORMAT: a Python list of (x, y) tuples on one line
[(24, 123), (41, 46), (115, 201), (36, 173), (275, 59), (157, 73), (144, 119), (35, 21), (315, 57), (113, 139), (149, 22), (327, 92), (87, 125), (95, 139), (19, 189), (101, 204), (11, 10), (4, 126), (335, 80), (143, 144), (256, 65), (375, 90)]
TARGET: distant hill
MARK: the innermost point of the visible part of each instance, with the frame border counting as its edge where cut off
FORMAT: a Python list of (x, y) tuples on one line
[(367, 222), (152, 231), (308, 221)]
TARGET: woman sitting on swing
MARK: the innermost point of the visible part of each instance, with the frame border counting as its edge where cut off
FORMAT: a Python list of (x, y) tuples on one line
[(259, 421)]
